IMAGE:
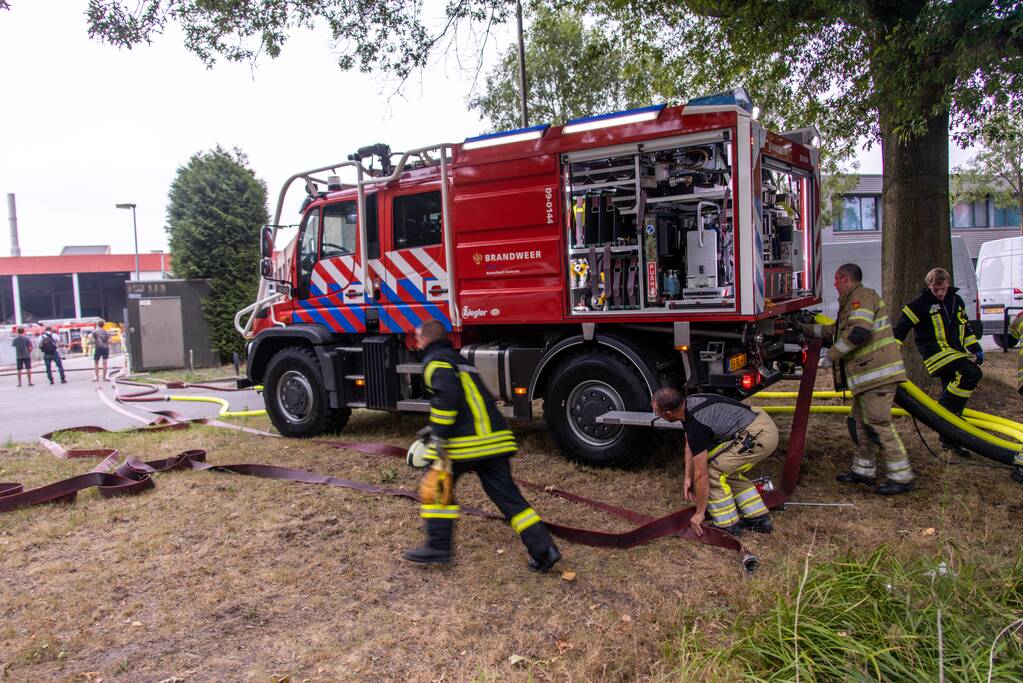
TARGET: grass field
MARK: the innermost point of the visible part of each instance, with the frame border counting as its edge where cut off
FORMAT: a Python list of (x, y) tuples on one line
[(213, 576)]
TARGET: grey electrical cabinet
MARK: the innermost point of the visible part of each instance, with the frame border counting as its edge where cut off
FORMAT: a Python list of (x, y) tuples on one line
[(167, 326)]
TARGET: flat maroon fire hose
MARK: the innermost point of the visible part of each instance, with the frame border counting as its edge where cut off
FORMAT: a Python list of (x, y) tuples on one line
[(134, 476)]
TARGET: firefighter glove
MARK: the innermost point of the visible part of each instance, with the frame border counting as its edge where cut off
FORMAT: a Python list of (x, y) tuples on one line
[(980, 358), (437, 487)]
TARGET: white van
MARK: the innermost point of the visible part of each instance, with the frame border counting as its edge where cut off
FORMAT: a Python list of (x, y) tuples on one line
[(1000, 282), (867, 255)]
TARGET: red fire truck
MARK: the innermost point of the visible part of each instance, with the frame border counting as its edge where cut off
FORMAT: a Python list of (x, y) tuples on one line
[(584, 265)]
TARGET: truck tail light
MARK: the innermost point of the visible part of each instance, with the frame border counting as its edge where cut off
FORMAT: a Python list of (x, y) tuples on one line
[(802, 358), (750, 380)]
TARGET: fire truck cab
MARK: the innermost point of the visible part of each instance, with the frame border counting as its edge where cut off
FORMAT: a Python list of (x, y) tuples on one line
[(584, 265)]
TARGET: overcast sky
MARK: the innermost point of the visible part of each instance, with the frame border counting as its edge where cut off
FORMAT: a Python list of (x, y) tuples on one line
[(84, 126)]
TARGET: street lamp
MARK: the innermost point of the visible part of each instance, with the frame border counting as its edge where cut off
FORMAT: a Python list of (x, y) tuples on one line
[(135, 229)]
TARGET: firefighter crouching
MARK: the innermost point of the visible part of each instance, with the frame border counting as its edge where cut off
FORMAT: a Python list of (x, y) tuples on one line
[(867, 361), (1016, 331), (468, 434), (723, 440), (943, 336)]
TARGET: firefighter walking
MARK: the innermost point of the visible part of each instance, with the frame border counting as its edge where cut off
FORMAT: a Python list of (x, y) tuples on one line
[(866, 360), (943, 336), (468, 434), (724, 440)]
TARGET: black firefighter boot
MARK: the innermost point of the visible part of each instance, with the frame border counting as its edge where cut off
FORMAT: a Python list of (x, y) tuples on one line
[(437, 549), (541, 548)]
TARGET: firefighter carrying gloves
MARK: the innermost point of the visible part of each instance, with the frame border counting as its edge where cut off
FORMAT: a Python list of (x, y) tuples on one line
[(1016, 331), (724, 440), (468, 434), (943, 337), (865, 359)]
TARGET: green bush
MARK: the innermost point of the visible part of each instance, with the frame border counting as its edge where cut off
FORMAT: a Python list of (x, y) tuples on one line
[(216, 207)]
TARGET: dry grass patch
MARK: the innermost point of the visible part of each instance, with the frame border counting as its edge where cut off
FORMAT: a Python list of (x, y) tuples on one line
[(214, 576)]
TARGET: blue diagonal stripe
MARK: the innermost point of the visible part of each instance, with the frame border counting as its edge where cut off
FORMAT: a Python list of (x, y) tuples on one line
[(335, 313), (420, 298), (315, 314), (395, 301)]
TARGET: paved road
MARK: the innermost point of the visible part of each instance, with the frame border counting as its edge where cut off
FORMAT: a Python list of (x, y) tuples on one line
[(27, 412)]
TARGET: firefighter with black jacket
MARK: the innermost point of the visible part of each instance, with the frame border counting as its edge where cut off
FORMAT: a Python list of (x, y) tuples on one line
[(468, 434), (945, 342)]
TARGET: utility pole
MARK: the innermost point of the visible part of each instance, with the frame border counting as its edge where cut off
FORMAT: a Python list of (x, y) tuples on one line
[(522, 68)]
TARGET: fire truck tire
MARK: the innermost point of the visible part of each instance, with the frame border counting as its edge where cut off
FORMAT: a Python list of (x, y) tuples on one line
[(1003, 341), (585, 386), (296, 400)]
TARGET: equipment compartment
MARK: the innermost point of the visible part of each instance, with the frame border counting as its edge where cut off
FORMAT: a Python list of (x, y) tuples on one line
[(652, 229)]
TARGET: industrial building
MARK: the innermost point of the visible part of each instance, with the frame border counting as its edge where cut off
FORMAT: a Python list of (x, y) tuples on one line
[(82, 281)]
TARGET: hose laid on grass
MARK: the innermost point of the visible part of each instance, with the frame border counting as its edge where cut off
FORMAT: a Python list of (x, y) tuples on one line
[(967, 431), (225, 407)]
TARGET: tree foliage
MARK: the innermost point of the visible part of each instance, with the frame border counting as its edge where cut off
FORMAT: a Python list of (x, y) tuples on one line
[(571, 71), (996, 171), (216, 206)]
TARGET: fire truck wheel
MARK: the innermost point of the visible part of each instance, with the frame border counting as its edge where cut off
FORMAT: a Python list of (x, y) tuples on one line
[(296, 400), (1003, 341), (585, 386)]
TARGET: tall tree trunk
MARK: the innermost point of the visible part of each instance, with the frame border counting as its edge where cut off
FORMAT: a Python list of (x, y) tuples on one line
[(916, 232)]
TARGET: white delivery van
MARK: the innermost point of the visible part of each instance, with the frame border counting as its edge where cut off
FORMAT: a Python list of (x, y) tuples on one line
[(1000, 283), (867, 255)]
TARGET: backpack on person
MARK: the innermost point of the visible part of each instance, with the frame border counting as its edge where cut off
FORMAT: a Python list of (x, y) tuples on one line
[(48, 345)]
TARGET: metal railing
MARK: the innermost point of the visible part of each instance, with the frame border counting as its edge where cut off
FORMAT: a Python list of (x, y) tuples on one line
[(444, 149)]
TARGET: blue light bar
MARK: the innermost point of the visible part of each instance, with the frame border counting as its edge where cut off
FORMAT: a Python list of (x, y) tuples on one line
[(505, 137), (618, 118), (736, 96)]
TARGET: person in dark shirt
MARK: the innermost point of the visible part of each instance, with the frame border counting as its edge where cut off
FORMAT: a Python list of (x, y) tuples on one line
[(101, 351), (724, 440), (49, 344), (23, 354)]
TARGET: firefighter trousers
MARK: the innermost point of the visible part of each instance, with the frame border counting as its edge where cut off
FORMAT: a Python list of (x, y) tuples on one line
[(872, 432), (732, 495), (496, 478), (958, 380)]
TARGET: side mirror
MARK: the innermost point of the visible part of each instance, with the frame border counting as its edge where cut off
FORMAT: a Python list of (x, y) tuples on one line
[(266, 267), (266, 242), (977, 328)]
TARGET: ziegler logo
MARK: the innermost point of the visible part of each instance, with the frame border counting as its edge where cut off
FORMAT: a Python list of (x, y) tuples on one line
[(470, 313), (549, 197)]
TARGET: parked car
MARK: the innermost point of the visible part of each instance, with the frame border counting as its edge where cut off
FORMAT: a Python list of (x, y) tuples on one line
[(1000, 283), (867, 255)]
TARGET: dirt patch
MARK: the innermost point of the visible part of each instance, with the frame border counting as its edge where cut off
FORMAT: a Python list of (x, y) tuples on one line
[(214, 576)]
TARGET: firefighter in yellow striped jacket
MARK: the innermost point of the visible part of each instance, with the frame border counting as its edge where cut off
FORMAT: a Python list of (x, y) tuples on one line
[(943, 337), (867, 361), (1016, 330), (466, 425)]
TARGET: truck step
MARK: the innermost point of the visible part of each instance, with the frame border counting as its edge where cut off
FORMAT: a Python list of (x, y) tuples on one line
[(414, 405), (356, 404), (350, 349), (354, 377), (636, 419), (410, 368)]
